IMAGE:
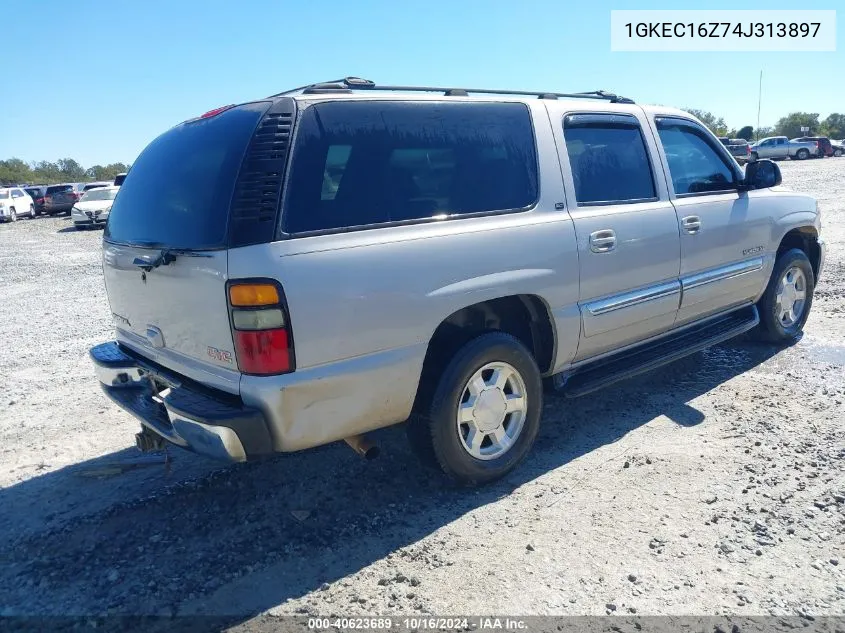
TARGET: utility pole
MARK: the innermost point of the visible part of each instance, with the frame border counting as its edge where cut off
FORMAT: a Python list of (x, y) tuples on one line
[(759, 102)]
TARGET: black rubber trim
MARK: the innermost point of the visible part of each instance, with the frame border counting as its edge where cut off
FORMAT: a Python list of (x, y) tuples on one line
[(612, 369)]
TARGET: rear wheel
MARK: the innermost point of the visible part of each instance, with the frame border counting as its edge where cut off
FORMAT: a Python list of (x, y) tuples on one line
[(32, 213), (837, 152), (803, 154), (785, 305), (754, 156), (484, 414)]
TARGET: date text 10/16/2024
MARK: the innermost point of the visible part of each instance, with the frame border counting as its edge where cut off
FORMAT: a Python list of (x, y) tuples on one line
[(417, 624)]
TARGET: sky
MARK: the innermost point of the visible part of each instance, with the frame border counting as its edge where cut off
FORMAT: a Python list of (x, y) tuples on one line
[(96, 80)]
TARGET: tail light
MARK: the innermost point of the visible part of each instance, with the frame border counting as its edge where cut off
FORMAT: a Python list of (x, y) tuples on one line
[(39, 201), (748, 150), (75, 195), (260, 328)]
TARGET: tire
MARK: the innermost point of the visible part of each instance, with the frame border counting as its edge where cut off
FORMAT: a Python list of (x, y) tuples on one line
[(32, 212), (505, 437), (802, 154), (754, 156), (773, 327), (13, 216), (837, 153)]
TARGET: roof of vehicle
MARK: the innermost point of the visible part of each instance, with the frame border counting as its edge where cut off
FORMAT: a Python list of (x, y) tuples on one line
[(353, 88)]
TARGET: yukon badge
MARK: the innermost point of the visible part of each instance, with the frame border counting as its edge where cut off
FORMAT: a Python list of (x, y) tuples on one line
[(752, 251)]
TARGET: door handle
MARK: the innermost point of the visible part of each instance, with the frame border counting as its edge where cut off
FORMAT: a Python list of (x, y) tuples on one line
[(691, 224), (602, 241)]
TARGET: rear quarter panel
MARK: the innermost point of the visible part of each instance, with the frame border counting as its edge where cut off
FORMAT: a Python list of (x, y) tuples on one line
[(364, 305)]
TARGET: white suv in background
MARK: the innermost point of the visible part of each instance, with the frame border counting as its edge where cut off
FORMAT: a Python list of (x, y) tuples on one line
[(93, 208), (14, 203)]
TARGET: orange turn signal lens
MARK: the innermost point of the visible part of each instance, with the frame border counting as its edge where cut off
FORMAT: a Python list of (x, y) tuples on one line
[(245, 295)]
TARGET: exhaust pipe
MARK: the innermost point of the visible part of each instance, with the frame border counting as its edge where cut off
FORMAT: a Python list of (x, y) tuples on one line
[(363, 446)]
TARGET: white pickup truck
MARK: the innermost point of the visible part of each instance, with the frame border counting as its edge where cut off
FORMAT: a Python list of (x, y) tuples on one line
[(779, 147)]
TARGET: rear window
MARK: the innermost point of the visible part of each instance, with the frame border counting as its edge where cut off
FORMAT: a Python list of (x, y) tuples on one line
[(59, 188), (35, 193), (369, 163), (181, 185), (4, 195)]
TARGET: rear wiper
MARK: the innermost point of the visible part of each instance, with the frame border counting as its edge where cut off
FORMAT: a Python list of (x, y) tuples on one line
[(165, 257)]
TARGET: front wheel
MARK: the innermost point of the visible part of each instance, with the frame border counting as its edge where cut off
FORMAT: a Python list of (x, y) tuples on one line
[(754, 156), (837, 153), (785, 305), (803, 154), (484, 414), (13, 216)]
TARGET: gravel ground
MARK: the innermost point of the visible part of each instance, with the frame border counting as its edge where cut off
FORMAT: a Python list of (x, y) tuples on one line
[(713, 486)]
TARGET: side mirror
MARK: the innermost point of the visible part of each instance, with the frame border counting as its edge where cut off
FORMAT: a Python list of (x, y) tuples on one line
[(761, 174)]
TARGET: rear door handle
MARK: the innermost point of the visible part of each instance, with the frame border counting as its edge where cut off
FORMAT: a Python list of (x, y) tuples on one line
[(602, 241), (691, 224)]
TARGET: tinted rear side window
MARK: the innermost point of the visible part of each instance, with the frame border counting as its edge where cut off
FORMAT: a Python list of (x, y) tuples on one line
[(369, 163), (181, 186), (609, 159), (59, 188)]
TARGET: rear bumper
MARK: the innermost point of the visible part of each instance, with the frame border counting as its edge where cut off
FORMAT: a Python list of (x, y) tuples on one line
[(214, 424)]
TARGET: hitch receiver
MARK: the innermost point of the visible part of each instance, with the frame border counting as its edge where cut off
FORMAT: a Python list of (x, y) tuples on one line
[(147, 441)]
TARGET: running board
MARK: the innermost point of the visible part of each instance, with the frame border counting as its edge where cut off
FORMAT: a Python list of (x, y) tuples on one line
[(606, 371)]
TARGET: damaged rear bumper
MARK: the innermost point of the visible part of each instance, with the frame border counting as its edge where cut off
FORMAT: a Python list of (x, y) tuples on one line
[(194, 417)]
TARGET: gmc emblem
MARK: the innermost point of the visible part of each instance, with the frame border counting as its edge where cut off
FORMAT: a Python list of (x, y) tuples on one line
[(221, 355)]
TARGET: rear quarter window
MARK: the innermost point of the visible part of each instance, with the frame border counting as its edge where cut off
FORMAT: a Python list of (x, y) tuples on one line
[(360, 164)]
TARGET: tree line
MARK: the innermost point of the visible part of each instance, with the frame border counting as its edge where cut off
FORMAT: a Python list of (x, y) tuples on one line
[(15, 171), (790, 126)]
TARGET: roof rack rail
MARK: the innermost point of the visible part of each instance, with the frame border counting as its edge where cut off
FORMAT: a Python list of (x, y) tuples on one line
[(348, 84)]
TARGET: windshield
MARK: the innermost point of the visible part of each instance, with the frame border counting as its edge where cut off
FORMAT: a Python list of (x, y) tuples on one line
[(182, 183), (99, 194)]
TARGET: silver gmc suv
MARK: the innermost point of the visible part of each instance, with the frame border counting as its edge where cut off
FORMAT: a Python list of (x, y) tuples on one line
[(342, 257)]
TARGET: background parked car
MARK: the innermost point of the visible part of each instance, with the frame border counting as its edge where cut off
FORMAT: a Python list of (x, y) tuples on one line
[(37, 194), (825, 148), (15, 203), (61, 198), (838, 147), (94, 207), (739, 148), (780, 147), (95, 185)]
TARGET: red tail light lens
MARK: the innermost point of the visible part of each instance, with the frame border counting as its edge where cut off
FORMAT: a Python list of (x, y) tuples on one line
[(260, 327), (263, 352)]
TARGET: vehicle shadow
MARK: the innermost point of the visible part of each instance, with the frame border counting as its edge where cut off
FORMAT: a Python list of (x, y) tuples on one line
[(68, 229), (232, 542)]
